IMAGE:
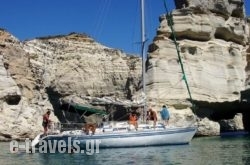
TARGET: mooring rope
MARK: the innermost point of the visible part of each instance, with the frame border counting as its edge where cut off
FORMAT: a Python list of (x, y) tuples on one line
[(169, 18)]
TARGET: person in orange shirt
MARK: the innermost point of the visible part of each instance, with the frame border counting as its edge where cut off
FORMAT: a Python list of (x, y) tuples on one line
[(133, 120)]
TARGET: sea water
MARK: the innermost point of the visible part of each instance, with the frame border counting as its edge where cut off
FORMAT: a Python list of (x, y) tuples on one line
[(201, 151)]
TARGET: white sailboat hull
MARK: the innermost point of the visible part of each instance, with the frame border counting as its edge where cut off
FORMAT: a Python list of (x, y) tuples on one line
[(169, 136)]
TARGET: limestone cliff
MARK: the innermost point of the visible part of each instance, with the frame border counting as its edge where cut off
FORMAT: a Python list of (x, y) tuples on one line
[(20, 110), (36, 74), (213, 40), (76, 64)]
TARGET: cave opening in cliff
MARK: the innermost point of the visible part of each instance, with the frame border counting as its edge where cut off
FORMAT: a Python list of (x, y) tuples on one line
[(12, 99), (117, 113), (217, 111), (224, 111), (121, 113), (54, 98)]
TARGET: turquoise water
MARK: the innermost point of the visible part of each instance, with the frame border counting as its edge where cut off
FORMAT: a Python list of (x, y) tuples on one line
[(201, 151)]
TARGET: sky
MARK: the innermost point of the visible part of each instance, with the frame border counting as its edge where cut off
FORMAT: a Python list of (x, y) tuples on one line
[(113, 23)]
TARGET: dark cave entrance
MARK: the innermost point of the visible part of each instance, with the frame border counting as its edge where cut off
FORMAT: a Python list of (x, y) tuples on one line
[(224, 111)]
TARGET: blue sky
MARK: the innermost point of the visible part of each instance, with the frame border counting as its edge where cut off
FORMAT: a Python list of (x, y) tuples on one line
[(114, 23)]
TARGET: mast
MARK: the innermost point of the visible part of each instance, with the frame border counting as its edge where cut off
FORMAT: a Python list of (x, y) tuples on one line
[(143, 56)]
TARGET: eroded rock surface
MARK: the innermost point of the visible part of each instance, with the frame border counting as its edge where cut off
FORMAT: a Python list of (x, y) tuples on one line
[(213, 41)]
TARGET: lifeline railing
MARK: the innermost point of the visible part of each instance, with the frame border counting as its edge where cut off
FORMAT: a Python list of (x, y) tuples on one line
[(55, 127)]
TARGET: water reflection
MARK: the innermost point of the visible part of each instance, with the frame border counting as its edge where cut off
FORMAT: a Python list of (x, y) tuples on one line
[(246, 152), (205, 151)]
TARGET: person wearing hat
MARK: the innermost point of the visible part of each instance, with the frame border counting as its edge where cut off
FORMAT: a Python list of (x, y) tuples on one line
[(165, 115)]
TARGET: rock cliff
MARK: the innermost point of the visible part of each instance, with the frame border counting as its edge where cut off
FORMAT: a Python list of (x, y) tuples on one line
[(36, 74), (19, 115), (76, 64), (213, 41)]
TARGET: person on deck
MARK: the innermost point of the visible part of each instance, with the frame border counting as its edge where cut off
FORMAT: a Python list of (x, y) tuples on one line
[(46, 122), (151, 115), (89, 127), (133, 120), (165, 115)]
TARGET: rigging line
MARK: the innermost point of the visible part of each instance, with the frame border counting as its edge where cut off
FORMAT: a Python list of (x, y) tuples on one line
[(169, 18), (105, 16), (102, 17), (98, 19)]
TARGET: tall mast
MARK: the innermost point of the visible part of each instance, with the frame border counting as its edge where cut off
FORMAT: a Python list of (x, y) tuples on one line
[(143, 55)]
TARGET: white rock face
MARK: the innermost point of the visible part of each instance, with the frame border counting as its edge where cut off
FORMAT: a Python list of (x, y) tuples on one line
[(20, 114), (213, 42), (67, 65), (8, 86), (213, 52), (205, 26), (207, 127), (77, 65), (223, 7), (181, 118), (215, 71)]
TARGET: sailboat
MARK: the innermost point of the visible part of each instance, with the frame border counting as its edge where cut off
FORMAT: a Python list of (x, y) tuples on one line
[(122, 135)]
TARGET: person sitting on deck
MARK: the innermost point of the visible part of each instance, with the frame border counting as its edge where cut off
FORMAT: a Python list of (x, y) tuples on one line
[(91, 123), (151, 116), (89, 127), (133, 120)]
